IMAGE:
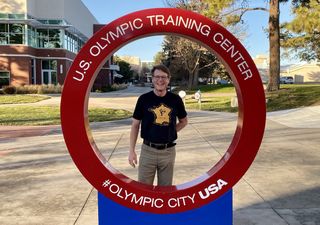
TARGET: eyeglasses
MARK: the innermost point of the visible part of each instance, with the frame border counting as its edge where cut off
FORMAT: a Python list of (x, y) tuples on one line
[(160, 77)]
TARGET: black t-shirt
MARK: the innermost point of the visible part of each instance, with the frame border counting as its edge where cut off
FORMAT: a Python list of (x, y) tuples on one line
[(158, 116)]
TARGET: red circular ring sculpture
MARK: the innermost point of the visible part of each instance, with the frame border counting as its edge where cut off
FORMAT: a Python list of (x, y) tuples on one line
[(222, 176)]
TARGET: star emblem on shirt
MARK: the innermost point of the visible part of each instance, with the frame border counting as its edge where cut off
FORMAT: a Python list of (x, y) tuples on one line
[(161, 114)]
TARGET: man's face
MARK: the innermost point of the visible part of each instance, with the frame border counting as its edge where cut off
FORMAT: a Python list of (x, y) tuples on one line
[(160, 80)]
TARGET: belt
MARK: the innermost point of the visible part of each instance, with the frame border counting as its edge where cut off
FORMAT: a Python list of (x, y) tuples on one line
[(159, 146)]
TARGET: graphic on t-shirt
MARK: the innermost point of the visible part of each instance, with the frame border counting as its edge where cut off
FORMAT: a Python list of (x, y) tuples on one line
[(161, 114)]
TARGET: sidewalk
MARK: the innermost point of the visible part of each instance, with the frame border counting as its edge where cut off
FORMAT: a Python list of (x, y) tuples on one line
[(39, 183), (307, 117), (7, 132)]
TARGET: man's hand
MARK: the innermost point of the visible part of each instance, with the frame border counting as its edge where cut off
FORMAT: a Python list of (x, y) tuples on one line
[(133, 139), (133, 158)]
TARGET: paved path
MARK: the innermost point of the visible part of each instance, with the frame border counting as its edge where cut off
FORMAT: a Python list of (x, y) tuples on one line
[(39, 183), (307, 117), (124, 99)]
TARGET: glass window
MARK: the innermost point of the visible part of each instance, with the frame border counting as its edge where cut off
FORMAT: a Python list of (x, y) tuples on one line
[(42, 33), (69, 43), (3, 28), (4, 78), (72, 42), (45, 77), (49, 65), (3, 15), (49, 72), (65, 40), (53, 65), (81, 44), (54, 22), (43, 38), (32, 41), (16, 28), (45, 64), (43, 21), (16, 33), (4, 36), (54, 33), (55, 38), (16, 16), (49, 38), (16, 38), (54, 77), (33, 77)]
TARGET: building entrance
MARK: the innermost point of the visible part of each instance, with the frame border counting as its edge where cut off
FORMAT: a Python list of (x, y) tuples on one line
[(49, 77), (49, 72)]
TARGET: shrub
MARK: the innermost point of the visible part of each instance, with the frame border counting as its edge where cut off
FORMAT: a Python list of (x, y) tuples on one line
[(119, 86), (105, 89), (109, 88), (39, 89), (27, 89), (9, 90)]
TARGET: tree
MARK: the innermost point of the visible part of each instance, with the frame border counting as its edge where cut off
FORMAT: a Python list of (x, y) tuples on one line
[(158, 58), (187, 56), (144, 72), (125, 68), (187, 59), (274, 46), (228, 12), (302, 34), (233, 14)]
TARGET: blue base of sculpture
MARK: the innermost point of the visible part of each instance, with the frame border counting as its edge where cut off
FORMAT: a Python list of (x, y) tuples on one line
[(218, 212)]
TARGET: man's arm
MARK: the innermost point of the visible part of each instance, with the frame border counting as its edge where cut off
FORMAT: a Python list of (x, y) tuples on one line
[(182, 123), (133, 161)]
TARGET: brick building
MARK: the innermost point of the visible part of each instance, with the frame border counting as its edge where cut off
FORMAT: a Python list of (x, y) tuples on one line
[(40, 38)]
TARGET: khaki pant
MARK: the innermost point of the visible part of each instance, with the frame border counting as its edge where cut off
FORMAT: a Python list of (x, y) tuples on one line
[(153, 160)]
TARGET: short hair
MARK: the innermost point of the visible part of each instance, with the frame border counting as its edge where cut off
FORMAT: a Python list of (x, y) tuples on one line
[(161, 67)]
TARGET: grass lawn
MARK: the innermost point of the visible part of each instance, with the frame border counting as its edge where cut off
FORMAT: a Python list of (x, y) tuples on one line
[(289, 96), (293, 96), (218, 88), (17, 99), (50, 115), (218, 104)]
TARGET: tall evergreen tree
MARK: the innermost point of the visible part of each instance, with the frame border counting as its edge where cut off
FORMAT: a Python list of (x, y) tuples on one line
[(232, 13), (125, 68), (302, 34)]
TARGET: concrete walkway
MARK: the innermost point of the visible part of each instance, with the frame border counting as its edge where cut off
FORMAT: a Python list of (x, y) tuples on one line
[(39, 183)]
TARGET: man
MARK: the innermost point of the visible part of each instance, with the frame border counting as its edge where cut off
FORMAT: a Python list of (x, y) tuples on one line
[(157, 112)]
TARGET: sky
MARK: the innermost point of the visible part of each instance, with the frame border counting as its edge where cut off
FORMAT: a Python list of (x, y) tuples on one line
[(256, 42)]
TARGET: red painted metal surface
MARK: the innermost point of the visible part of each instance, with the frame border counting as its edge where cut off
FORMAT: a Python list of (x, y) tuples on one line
[(222, 176)]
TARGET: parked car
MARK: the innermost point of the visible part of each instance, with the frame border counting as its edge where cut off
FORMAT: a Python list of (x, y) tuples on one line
[(221, 81), (286, 80)]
